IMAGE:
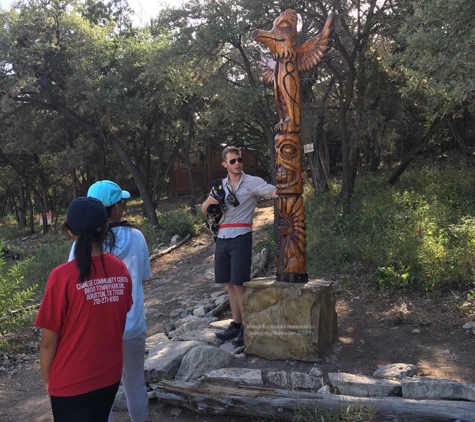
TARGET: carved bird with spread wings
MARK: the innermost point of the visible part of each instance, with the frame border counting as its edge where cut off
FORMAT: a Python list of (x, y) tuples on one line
[(287, 61)]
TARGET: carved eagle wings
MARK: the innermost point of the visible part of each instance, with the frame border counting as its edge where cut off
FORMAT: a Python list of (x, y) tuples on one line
[(308, 54)]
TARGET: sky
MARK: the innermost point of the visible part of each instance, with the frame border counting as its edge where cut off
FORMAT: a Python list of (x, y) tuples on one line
[(144, 9)]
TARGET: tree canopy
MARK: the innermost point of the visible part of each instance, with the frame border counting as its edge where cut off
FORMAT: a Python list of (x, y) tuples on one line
[(86, 94)]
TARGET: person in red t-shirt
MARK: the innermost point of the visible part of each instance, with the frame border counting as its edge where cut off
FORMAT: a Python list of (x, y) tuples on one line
[(82, 319)]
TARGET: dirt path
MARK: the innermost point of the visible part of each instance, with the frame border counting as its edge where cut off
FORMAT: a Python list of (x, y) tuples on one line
[(375, 329)]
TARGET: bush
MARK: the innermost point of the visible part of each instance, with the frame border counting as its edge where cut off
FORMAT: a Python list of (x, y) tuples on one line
[(13, 297), (417, 235), (43, 258), (180, 222), (268, 241)]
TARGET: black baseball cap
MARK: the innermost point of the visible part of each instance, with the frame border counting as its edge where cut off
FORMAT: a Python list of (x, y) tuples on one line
[(86, 214)]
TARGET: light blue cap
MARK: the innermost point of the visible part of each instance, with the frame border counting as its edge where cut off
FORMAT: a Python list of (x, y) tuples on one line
[(109, 193)]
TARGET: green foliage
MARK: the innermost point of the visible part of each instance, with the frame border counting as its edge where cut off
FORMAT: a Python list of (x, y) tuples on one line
[(53, 251), (149, 232), (8, 227), (418, 235), (268, 241), (343, 414), (13, 297), (180, 222), (438, 53)]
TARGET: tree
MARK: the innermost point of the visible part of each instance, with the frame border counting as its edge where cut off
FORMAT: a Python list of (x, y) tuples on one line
[(436, 51), (215, 36), (56, 60)]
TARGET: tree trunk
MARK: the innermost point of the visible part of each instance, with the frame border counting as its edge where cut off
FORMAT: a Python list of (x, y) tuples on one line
[(413, 152), (44, 204), (31, 216), (138, 179), (191, 179), (208, 173), (345, 161)]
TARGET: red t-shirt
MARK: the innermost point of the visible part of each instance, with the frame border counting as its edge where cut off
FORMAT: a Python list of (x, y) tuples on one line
[(89, 318)]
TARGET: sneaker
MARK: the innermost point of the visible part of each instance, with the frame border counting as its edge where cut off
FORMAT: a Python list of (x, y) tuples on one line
[(231, 332), (239, 340)]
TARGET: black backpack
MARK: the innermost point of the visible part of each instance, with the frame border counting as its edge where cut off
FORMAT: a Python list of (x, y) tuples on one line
[(216, 211)]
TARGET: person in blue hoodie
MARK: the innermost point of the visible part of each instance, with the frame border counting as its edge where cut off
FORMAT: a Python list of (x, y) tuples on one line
[(128, 244)]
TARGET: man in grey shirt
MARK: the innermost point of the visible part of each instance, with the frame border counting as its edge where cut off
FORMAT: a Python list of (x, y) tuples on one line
[(233, 254)]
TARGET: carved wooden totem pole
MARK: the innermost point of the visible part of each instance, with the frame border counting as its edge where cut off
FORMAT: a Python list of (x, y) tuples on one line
[(283, 71)]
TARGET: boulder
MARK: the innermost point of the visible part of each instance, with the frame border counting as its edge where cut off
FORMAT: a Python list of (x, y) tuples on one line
[(165, 358), (395, 371), (289, 320), (200, 360)]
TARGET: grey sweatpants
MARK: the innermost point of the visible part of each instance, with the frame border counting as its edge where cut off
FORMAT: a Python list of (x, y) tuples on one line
[(133, 379)]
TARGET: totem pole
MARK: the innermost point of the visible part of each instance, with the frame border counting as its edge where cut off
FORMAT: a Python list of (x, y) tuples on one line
[(283, 71)]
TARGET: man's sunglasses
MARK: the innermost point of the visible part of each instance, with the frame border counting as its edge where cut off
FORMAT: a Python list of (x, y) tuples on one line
[(233, 160)]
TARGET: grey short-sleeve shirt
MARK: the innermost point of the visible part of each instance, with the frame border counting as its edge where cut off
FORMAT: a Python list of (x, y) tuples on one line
[(249, 190)]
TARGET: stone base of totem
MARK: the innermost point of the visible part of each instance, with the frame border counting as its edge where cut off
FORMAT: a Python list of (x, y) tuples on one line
[(285, 320)]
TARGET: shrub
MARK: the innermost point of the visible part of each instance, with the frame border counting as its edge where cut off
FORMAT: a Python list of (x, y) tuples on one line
[(43, 258), (180, 222), (417, 235), (268, 241), (13, 297)]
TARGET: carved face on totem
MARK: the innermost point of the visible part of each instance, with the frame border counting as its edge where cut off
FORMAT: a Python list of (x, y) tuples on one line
[(288, 163)]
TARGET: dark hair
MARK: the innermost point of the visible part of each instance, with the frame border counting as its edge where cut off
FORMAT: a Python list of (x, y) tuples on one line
[(109, 241), (83, 250)]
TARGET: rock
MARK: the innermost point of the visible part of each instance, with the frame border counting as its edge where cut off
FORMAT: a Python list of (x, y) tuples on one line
[(361, 386), (222, 324), (293, 380), (186, 312), (200, 360), (325, 390), (165, 358), (469, 325), (200, 311), (175, 239), (230, 348), (289, 320), (220, 300), (155, 339), (185, 320), (192, 323), (175, 313), (209, 274), (120, 401), (315, 372), (239, 375), (207, 335), (395, 370), (436, 389)]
